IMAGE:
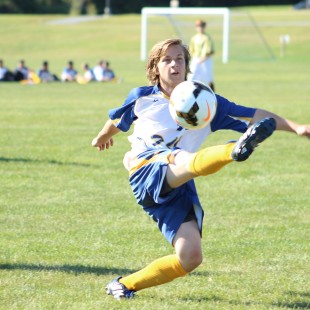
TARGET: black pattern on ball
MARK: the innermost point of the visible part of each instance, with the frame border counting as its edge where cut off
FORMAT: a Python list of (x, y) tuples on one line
[(196, 91), (201, 86), (190, 116)]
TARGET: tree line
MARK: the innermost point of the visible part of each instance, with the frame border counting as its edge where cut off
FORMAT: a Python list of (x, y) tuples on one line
[(77, 7)]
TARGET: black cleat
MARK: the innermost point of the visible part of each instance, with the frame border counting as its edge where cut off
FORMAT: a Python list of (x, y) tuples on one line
[(119, 290), (256, 134)]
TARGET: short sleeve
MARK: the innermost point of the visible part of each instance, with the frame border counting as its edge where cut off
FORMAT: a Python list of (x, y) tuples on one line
[(124, 116), (231, 116)]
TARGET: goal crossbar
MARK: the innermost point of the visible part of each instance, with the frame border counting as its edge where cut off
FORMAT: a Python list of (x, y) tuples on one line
[(185, 11)]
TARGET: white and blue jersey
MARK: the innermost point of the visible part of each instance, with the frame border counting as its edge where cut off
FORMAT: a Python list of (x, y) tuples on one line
[(148, 109), (155, 138)]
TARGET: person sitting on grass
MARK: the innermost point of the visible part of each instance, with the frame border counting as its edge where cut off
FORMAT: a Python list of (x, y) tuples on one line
[(98, 71), (69, 73), (108, 73), (165, 159), (45, 75), (87, 76), (5, 74), (21, 71)]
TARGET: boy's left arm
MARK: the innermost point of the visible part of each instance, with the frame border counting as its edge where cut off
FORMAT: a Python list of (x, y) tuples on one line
[(283, 123)]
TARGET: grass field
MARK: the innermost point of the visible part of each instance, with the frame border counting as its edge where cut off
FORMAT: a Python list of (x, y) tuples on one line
[(69, 223)]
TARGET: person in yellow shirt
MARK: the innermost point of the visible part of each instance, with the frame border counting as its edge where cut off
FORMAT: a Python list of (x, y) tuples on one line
[(201, 48)]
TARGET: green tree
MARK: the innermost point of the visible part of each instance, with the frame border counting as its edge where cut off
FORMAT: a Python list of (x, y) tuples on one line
[(83, 6), (35, 6)]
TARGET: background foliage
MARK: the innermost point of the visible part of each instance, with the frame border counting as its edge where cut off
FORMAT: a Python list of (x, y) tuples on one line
[(116, 6)]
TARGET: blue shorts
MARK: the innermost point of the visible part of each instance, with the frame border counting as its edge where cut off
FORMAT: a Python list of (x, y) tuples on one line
[(147, 174)]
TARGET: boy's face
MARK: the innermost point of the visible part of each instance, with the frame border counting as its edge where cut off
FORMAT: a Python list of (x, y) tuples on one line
[(172, 67), (200, 28)]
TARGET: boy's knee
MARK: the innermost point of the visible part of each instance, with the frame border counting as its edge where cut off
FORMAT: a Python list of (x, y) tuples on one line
[(195, 261), (191, 260)]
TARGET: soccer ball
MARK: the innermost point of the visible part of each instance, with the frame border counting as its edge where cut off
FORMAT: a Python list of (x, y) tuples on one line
[(192, 104)]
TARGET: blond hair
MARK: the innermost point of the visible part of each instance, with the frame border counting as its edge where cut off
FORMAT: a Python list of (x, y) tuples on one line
[(157, 52), (201, 23)]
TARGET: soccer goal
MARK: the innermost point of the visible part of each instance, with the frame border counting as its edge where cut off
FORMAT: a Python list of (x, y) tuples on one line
[(170, 12)]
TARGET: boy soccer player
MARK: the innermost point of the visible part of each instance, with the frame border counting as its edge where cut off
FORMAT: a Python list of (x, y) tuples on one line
[(164, 160)]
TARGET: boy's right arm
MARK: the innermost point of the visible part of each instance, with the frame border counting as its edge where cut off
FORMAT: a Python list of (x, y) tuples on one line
[(104, 138)]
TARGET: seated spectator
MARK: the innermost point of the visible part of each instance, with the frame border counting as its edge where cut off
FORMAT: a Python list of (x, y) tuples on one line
[(69, 73), (88, 75), (25, 75), (45, 75), (98, 71), (32, 79), (5, 74), (21, 71), (108, 74)]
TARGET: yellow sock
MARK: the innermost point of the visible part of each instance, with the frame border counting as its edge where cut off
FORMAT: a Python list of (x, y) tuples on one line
[(211, 159), (160, 271)]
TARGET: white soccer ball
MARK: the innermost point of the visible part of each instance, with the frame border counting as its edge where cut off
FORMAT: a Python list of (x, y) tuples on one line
[(192, 104)]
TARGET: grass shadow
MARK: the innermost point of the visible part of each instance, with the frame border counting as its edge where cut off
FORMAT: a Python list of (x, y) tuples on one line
[(218, 299), (296, 304), (41, 161), (72, 269), (301, 300), (293, 305)]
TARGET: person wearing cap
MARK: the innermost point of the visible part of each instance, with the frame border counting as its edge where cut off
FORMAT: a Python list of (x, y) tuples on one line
[(201, 48)]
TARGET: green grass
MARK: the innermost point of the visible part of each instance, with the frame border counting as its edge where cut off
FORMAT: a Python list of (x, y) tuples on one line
[(69, 223)]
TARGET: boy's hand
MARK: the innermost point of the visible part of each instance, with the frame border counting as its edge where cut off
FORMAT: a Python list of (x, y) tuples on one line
[(101, 144), (303, 130), (104, 138)]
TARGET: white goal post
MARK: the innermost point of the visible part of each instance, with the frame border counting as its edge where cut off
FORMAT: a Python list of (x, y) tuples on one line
[(185, 11)]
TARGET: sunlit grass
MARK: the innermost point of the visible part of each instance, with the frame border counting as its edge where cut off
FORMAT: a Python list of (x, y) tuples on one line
[(69, 223)]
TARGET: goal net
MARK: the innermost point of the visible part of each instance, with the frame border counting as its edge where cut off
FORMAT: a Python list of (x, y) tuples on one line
[(158, 24)]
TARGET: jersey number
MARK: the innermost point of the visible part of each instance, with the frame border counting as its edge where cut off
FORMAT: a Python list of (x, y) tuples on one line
[(159, 140)]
